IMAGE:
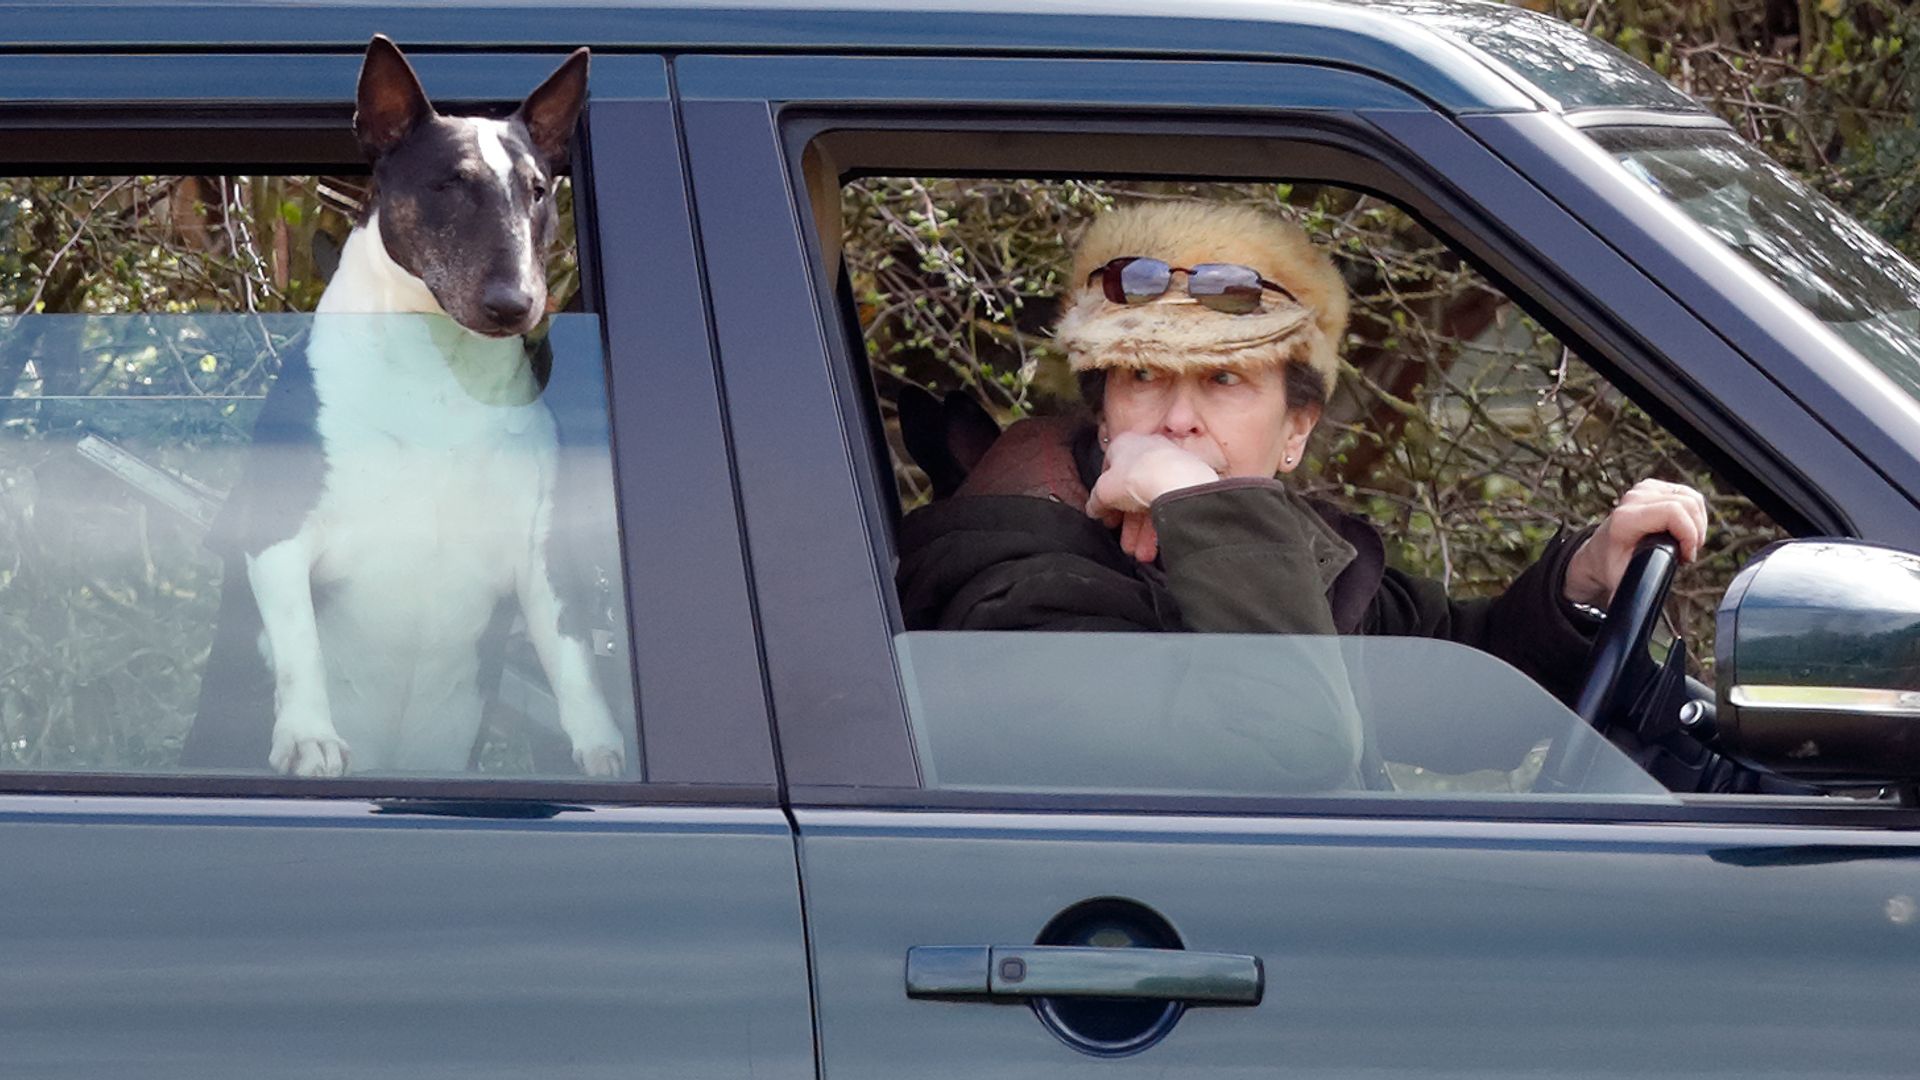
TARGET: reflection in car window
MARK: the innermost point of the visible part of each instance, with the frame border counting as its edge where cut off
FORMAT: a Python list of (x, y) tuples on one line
[(1833, 266), (1233, 714), (1573, 67), (142, 455), (158, 434)]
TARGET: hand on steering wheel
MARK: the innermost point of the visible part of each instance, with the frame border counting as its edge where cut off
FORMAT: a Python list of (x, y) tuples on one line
[(1618, 657)]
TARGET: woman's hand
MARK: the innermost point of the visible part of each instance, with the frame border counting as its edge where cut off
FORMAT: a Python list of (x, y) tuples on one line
[(1649, 508), (1140, 469)]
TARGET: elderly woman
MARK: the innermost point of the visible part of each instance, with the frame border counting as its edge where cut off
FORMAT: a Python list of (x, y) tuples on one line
[(1205, 338)]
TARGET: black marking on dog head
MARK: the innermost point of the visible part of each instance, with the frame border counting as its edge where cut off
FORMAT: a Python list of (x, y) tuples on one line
[(945, 438), (466, 203)]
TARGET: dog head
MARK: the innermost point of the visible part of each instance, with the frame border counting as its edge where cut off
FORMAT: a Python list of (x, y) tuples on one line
[(465, 204)]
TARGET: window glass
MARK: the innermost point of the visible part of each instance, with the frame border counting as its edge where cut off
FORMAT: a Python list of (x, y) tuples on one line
[(1847, 277), (1460, 431), (174, 414), (1229, 714)]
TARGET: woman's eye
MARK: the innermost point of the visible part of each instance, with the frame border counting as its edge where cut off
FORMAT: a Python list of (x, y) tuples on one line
[(1226, 378), (1141, 374)]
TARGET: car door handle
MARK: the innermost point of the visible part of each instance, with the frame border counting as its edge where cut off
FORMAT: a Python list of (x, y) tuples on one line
[(1031, 971)]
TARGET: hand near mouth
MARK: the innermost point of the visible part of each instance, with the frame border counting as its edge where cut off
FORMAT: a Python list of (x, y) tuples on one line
[(1138, 470)]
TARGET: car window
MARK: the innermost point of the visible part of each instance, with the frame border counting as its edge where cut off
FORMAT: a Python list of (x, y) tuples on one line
[(1862, 287), (1460, 429), (1235, 715), (172, 407)]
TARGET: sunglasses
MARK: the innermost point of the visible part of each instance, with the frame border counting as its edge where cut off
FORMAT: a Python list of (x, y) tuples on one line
[(1224, 287)]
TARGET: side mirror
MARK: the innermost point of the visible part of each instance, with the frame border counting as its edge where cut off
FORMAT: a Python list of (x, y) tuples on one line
[(1818, 657)]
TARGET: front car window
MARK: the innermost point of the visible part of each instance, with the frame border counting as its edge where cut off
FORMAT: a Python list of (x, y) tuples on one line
[(1840, 271), (1466, 434)]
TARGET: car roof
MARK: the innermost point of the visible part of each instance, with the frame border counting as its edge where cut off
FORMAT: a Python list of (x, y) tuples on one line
[(1464, 55)]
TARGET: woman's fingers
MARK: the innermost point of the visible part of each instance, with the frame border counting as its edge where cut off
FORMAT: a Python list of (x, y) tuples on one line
[(1137, 535), (1146, 539), (1647, 509), (1108, 499), (1138, 538), (1655, 506)]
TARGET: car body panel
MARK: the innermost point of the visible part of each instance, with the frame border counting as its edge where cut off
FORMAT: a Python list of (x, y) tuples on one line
[(1341, 34), (161, 79), (1413, 948), (1107, 84), (200, 939)]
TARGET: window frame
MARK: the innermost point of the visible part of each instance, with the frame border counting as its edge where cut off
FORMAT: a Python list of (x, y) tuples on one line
[(235, 114), (964, 141)]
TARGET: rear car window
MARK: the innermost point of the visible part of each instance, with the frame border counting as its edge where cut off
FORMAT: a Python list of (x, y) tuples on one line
[(149, 322)]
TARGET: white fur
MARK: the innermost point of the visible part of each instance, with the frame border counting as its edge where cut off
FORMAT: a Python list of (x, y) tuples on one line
[(493, 150), (440, 474)]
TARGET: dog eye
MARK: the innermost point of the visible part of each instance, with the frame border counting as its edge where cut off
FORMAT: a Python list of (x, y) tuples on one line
[(539, 191), (447, 183)]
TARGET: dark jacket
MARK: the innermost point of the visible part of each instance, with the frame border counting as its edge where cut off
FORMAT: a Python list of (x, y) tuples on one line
[(1014, 550)]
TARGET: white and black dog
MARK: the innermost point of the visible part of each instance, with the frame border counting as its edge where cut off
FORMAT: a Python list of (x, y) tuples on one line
[(402, 478)]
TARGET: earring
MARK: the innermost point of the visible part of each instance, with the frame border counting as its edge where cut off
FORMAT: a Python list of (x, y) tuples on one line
[(1104, 440), (1289, 461)]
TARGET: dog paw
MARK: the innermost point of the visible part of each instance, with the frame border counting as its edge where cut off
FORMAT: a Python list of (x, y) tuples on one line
[(601, 761), (308, 754)]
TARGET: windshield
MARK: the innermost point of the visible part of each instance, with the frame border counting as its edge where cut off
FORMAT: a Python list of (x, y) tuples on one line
[(1836, 268)]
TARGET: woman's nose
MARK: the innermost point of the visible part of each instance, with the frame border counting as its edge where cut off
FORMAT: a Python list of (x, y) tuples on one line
[(1182, 418)]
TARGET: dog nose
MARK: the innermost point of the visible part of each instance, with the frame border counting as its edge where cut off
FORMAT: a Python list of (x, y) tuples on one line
[(507, 305)]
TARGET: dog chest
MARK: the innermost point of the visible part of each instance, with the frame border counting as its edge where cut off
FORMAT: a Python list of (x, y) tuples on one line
[(436, 476)]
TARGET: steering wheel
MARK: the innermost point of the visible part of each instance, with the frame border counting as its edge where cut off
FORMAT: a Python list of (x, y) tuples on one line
[(1619, 661)]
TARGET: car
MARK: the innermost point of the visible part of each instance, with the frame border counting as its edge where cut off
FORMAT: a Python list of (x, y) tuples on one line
[(844, 849)]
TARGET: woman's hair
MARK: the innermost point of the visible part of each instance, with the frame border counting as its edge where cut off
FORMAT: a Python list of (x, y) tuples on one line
[(1304, 387)]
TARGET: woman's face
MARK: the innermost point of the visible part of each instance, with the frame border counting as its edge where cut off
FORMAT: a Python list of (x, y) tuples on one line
[(1233, 418)]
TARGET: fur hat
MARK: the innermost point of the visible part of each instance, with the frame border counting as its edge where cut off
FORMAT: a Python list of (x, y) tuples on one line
[(1178, 334)]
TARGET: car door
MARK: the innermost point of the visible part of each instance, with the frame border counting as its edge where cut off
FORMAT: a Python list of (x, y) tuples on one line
[(1040, 855), (514, 919)]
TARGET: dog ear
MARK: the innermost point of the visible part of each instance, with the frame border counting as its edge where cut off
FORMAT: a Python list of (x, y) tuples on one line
[(971, 429), (390, 102), (550, 112), (945, 438)]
